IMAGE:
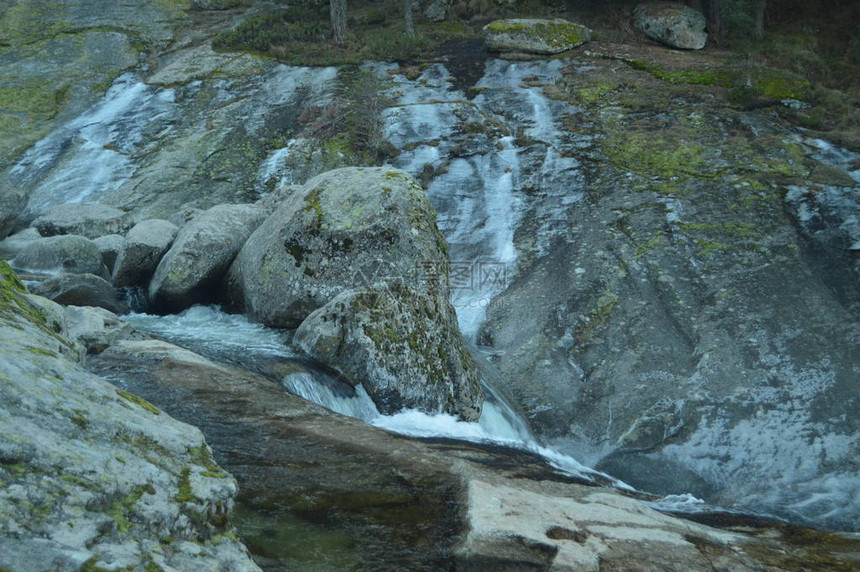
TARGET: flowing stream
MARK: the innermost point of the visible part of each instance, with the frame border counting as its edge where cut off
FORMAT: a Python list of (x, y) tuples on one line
[(233, 338)]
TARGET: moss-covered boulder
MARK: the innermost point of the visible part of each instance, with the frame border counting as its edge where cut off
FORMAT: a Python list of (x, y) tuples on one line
[(401, 344), (675, 25), (347, 228), (93, 477), (534, 36)]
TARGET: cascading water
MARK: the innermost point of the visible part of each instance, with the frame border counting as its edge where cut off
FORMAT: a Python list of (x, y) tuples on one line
[(90, 154), (230, 337)]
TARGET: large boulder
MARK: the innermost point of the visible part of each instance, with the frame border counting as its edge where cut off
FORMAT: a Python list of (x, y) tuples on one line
[(91, 221), (13, 199), (80, 290), (675, 25), (94, 477), (141, 252), (69, 253), (201, 254), (343, 229), (534, 36), (402, 345)]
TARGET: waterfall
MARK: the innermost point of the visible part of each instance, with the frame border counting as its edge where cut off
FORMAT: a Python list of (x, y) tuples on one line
[(90, 155)]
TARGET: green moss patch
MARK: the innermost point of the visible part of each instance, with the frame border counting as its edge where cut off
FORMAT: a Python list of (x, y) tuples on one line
[(139, 401)]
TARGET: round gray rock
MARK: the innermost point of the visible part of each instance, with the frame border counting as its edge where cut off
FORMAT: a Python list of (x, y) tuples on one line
[(675, 25), (81, 290), (534, 36), (141, 252), (70, 253), (402, 344), (192, 269), (91, 221), (344, 229)]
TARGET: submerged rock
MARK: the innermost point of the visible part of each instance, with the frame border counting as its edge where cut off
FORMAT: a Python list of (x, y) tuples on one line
[(91, 221), (81, 290), (142, 250), (402, 345), (344, 229), (68, 253), (94, 476), (204, 248), (675, 25), (534, 36)]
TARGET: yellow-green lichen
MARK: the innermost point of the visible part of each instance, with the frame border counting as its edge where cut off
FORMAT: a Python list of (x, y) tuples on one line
[(185, 493), (138, 401), (557, 34)]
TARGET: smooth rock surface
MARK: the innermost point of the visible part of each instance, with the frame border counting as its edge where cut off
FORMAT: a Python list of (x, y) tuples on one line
[(343, 229), (402, 345), (534, 36), (81, 290), (191, 270), (407, 504), (68, 253), (675, 25), (93, 476), (95, 328), (91, 221), (144, 246)]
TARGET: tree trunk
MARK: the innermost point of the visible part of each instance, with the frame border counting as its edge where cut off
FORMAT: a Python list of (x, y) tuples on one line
[(407, 18), (338, 20), (759, 19)]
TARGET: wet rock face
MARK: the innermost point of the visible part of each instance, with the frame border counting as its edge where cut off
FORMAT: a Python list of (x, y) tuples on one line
[(93, 476), (344, 229), (675, 25), (401, 344), (204, 248), (686, 322), (534, 36)]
